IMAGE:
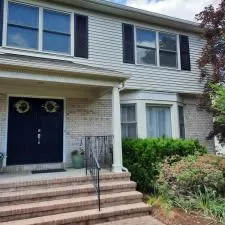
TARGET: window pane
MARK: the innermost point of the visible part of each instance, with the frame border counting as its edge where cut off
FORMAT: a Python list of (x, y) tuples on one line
[(129, 130), (55, 21), (168, 59), (23, 15), (128, 113), (146, 56), (158, 121), (168, 42), (132, 130), (131, 113), (56, 42), (146, 38), (22, 37)]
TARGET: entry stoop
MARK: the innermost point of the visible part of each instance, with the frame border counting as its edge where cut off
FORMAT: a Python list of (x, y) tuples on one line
[(70, 200)]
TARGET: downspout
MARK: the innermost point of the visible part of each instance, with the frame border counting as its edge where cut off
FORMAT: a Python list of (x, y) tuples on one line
[(124, 169)]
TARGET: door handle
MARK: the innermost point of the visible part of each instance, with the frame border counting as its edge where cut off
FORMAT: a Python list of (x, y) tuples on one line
[(39, 138)]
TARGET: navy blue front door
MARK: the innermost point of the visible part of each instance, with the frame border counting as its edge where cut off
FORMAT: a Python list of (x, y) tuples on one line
[(35, 131)]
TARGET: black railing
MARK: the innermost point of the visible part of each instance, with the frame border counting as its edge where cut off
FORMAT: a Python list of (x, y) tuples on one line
[(94, 168), (98, 153)]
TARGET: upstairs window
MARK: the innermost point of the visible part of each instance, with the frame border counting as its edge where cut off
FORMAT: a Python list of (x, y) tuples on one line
[(56, 32), (22, 26), (146, 47), (168, 50)]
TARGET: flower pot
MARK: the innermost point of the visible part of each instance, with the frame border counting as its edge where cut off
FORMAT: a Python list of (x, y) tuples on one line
[(78, 161)]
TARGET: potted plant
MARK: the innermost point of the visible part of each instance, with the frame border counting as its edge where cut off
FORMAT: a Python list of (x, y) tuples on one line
[(78, 158), (2, 156)]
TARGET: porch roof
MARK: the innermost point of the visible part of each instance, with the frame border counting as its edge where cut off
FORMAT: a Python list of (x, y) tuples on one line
[(59, 67)]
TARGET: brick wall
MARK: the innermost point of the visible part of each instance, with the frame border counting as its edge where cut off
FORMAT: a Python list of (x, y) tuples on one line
[(85, 117), (198, 123), (3, 117)]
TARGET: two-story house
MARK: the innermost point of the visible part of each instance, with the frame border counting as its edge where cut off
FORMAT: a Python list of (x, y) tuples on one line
[(70, 69)]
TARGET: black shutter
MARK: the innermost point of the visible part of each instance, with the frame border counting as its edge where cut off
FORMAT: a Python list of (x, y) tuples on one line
[(181, 121), (185, 53), (128, 44), (1, 20), (81, 36)]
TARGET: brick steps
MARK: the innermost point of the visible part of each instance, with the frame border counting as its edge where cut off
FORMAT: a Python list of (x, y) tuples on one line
[(59, 182), (27, 196), (24, 211), (69, 201), (92, 216)]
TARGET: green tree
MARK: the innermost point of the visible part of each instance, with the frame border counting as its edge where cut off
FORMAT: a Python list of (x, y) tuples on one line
[(212, 22)]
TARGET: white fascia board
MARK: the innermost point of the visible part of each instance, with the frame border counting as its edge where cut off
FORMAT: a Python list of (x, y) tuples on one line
[(149, 95), (55, 79)]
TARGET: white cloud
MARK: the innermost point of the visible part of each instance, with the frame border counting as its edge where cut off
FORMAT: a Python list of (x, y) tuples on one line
[(185, 9)]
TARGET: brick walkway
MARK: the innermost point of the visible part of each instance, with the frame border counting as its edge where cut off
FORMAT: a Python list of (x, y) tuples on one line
[(145, 220)]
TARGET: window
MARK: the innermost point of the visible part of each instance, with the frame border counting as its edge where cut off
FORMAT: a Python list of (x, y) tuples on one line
[(146, 47), (22, 26), (181, 121), (128, 118), (56, 34), (24, 29), (158, 121), (168, 50)]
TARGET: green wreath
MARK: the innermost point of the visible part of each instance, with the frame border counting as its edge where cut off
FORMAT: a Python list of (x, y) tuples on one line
[(51, 106), (22, 106)]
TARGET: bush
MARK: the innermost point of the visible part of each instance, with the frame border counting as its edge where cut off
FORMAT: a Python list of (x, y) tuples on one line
[(196, 182), (192, 174), (143, 156)]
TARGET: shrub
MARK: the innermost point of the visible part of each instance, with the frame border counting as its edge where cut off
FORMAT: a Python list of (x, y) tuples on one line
[(192, 174), (196, 182), (143, 156)]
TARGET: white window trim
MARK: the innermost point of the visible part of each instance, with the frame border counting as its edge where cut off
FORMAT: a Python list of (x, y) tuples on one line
[(157, 48), (39, 52), (141, 115)]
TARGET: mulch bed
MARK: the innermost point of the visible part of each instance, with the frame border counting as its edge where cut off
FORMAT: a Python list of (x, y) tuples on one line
[(179, 217)]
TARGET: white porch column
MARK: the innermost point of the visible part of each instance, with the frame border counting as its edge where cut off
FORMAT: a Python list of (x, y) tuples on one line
[(116, 125)]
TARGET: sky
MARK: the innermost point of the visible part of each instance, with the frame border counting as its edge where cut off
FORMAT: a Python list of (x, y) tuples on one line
[(184, 9)]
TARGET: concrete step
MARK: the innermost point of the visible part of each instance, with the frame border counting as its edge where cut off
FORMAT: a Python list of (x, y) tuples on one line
[(92, 216), (19, 197), (29, 210), (34, 181)]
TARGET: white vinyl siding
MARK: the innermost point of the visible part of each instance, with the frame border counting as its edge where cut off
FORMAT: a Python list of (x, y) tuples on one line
[(106, 51)]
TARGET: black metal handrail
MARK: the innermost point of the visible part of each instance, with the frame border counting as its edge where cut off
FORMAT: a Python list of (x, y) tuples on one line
[(94, 168)]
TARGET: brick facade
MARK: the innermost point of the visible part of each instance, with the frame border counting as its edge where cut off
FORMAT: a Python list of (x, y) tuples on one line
[(198, 123), (85, 117)]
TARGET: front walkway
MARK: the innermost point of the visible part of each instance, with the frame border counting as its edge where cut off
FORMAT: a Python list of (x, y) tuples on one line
[(145, 220)]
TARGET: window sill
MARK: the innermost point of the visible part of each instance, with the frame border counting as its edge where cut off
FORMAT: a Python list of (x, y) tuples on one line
[(35, 53), (158, 67)]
